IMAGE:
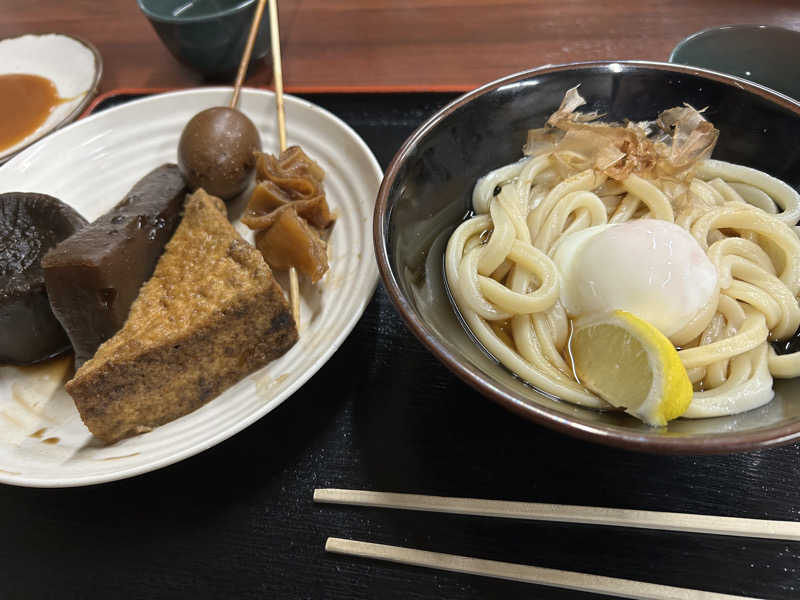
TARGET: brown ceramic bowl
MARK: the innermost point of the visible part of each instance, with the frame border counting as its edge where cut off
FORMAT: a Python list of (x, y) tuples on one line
[(426, 193)]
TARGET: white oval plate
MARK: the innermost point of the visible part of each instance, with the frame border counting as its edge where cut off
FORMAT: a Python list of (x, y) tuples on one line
[(90, 165)]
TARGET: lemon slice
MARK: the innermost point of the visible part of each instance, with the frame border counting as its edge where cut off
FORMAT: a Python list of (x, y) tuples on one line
[(632, 365)]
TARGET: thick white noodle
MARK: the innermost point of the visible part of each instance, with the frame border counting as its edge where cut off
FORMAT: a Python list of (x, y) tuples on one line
[(780, 193), (507, 288)]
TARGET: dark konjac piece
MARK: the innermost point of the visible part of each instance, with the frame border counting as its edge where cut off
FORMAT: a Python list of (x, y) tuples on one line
[(30, 224), (94, 276)]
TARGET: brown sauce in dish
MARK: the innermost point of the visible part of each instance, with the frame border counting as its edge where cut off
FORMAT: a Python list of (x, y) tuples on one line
[(25, 103)]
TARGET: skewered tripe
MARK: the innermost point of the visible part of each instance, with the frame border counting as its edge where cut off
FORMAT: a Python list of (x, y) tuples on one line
[(290, 214)]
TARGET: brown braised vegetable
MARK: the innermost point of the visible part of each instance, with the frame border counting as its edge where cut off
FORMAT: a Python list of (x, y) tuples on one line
[(292, 242), (289, 210), (216, 151), (30, 224), (94, 276)]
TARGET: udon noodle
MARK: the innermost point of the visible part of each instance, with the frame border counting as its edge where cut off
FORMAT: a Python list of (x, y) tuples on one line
[(579, 173)]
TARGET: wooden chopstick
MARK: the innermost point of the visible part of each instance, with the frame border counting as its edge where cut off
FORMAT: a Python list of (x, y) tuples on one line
[(644, 519), (597, 584)]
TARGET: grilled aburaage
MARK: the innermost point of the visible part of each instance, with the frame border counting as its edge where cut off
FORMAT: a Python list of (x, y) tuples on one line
[(210, 314)]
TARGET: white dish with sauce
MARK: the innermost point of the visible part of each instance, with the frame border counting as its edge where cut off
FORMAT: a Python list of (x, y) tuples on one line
[(71, 66), (91, 165)]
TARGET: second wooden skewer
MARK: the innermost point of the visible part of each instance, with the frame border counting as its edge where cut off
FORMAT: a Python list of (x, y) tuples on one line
[(277, 76)]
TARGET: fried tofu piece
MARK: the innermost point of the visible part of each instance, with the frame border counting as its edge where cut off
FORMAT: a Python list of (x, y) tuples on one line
[(211, 314)]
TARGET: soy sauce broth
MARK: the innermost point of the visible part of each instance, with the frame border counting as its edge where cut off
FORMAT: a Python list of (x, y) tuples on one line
[(25, 103)]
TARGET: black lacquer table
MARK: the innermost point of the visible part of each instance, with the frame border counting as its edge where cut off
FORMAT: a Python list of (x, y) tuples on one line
[(238, 521)]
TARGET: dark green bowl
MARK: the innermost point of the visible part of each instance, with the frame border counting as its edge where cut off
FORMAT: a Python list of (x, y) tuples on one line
[(760, 53), (207, 35)]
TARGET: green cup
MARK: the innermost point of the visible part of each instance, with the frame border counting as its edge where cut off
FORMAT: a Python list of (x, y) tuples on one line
[(761, 53), (208, 36)]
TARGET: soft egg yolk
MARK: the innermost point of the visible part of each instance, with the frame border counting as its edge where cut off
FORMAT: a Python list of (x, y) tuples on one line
[(653, 269)]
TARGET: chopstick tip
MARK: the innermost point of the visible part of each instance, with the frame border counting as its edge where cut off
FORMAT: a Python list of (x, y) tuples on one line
[(325, 495), (330, 544)]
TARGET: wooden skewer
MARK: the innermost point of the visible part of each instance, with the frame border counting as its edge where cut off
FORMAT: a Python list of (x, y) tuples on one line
[(597, 584), (277, 70), (294, 295), (248, 50), (644, 519), (277, 76)]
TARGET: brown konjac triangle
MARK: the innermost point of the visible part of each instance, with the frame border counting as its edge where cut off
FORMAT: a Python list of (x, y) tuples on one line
[(94, 276)]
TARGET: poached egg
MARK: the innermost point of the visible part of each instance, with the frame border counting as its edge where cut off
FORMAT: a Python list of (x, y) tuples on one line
[(653, 269)]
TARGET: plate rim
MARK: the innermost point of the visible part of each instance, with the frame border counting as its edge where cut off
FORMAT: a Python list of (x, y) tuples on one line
[(218, 437)]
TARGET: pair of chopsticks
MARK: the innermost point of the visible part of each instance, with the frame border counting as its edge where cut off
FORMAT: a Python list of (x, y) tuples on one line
[(623, 588)]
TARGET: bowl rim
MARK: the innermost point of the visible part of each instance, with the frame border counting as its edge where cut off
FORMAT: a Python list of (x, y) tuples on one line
[(576, 426), (733, 26), (88, 96), (173, 19)]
